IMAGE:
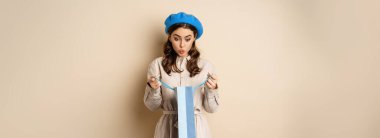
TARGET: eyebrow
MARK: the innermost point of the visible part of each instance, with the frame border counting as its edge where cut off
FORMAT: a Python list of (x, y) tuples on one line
[(180, 36)]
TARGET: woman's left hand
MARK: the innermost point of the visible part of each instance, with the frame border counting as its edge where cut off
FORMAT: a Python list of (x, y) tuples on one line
[(212, 82)]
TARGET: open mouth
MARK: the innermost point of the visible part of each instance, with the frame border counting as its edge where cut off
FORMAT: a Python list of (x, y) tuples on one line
[(181, 51)]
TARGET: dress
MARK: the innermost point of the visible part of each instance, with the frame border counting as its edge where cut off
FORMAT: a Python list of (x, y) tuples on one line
[(205, 99)]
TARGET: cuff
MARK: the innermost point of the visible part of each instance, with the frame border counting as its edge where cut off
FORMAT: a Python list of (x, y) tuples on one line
[(154, 92), (211, 93)]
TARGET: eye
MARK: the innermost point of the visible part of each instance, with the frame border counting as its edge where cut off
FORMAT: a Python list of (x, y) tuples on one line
[(175, 38), (187, 40)]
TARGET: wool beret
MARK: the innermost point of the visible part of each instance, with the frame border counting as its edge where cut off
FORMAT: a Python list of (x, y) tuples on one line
[(183, 17)]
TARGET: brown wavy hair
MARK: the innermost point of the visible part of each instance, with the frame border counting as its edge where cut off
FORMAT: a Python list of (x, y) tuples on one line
[(170, 56)]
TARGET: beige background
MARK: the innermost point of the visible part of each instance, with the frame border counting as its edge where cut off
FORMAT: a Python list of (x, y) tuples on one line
[(288, 69)]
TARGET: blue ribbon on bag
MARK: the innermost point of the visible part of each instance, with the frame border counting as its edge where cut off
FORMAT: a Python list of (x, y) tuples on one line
[(194, 88), (171, 88)]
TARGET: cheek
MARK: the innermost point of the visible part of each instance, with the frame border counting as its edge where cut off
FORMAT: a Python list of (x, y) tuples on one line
[(174, 44), (189, 45)]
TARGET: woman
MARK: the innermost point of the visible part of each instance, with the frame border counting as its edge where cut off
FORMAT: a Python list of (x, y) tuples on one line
[(181, 65)]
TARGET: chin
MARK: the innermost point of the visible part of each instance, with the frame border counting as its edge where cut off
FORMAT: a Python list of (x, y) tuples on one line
[(183, 55)]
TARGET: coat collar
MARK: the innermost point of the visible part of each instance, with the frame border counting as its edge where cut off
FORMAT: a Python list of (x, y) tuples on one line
[(182, 61)]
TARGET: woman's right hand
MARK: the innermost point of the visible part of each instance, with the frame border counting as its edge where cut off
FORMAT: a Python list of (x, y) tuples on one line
[(154, 83)]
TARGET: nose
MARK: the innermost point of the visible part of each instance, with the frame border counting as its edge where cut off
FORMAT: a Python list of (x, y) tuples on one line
[(182, 43)]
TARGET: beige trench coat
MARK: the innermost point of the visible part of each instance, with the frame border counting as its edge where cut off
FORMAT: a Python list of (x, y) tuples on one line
[(205, 99)]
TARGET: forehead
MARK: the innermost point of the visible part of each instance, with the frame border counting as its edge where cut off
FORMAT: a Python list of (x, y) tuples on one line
[(182, 32)]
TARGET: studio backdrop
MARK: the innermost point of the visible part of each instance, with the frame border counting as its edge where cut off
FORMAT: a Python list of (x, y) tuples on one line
[(287, 69)]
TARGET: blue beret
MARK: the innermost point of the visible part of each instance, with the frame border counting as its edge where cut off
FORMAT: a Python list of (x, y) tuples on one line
[(182, 17)]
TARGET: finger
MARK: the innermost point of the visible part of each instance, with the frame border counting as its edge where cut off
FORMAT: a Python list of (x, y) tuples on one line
[(213, 76), (151, 79), (153, 83), (209, 75), (208, 85), (156, 85), (211, 82), (211, 86)]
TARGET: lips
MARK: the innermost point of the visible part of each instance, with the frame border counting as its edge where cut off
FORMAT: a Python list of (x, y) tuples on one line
[(181, 51)]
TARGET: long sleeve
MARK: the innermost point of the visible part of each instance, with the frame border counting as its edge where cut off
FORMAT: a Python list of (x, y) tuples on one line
[(211, 96), (153, 97), (211, 100)]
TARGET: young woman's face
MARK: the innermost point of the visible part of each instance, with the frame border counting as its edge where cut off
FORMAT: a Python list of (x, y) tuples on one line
[(182, 39)]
